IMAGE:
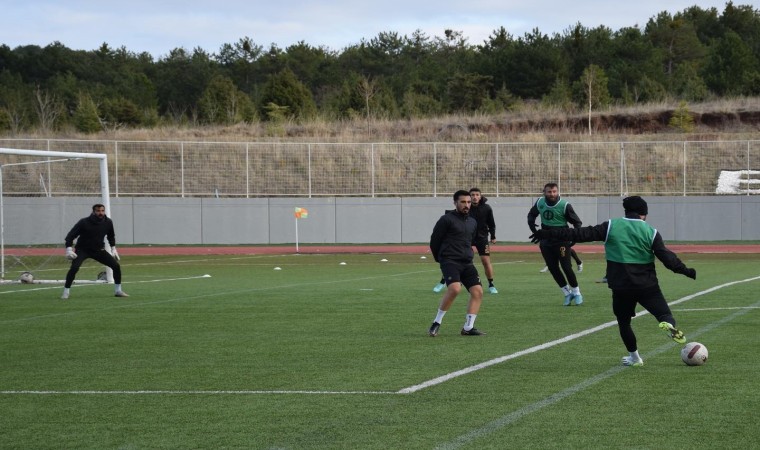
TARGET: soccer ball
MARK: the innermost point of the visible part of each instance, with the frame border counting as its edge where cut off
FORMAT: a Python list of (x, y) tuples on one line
[(26, 278), (694, 354)]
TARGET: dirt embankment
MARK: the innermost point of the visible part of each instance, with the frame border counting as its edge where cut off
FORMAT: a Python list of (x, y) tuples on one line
[(634, 123)]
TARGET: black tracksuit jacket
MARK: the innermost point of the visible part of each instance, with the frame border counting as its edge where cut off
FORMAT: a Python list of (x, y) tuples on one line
[(452, 237)]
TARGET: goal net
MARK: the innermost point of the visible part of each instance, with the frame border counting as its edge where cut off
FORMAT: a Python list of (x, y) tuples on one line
[(42, 195)]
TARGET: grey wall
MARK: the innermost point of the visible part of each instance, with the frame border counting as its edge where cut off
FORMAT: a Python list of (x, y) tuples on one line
[(351, 220)]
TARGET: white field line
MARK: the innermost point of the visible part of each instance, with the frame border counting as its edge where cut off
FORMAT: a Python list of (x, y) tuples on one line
[(159, 280), (230, 392), (508, 419), (492, 362), (435, 381)]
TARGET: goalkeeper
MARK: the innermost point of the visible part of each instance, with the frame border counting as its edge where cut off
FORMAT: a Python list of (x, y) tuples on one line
[(90, 234), (630, 247)]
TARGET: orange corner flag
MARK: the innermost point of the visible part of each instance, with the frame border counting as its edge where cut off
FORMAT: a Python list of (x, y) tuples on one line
[(301, 213)]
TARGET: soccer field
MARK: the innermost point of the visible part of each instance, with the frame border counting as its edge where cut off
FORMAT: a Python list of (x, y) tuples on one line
[(321, 354)]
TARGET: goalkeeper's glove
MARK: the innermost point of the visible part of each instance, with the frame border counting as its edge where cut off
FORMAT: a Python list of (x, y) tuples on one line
[(115, 254), (70, 253), (537, 236)]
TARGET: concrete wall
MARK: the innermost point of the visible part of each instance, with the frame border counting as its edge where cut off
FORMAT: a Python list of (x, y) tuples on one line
[(214, 221)]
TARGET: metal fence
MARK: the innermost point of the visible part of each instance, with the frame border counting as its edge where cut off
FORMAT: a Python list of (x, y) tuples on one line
[(254, 169)]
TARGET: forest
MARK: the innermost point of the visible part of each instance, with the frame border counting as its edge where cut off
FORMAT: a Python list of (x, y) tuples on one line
[(695, 55)]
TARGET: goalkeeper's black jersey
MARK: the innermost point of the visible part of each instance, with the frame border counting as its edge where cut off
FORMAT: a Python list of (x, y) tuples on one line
[(91, 233)]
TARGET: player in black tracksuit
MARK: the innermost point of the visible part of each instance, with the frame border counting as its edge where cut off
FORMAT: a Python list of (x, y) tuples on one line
[(451, 246), (483, 214), (90, 234), (631, 246)]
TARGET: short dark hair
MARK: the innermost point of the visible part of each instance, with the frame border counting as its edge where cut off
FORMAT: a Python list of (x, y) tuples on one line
[(474, 190), (551, 185), (460, 193), (98, 205)]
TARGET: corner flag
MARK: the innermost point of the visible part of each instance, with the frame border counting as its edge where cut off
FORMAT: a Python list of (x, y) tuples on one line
[(300, 213)]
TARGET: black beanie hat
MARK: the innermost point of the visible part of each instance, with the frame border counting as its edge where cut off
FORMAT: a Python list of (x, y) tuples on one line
[(636, 205)]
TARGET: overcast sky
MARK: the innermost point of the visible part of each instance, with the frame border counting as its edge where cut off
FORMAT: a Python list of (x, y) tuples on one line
[(159, 26)]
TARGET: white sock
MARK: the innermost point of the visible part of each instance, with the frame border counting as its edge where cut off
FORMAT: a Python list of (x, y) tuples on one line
[(635, 355), (469, 321), (576, 290), (117, 287), (66, 291), (439, 316), (566, 290)]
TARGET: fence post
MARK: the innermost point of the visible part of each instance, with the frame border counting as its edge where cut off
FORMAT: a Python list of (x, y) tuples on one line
[(684, 168), (435, 170), (623, 175), (116, 167), (497, 170), (182, 168), (559, 165), (372, 168), (748, 169), (309, 161), (247, 172)]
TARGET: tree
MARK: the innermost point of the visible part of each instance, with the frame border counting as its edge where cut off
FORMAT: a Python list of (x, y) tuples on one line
[(535, 64), (367, 89), (681, 119), (223, 103), (676, 39), (593, 83), (468, 92), (560, 96), (285, 90), (48, 108), (14, 102), (86, 117), (732, 68)]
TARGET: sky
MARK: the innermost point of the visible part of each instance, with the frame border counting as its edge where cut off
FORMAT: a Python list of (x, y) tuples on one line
[(157, 26)]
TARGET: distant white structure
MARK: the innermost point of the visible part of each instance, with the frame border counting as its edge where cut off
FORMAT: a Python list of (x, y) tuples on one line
[(738, 182)]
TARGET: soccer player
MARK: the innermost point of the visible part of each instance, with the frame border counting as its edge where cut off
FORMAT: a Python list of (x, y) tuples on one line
[(483, 215), (630, 247), (451, 246), (556, 213), (90, 234)]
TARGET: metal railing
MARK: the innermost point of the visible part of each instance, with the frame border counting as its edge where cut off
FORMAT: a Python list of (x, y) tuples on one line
[(257, 169)]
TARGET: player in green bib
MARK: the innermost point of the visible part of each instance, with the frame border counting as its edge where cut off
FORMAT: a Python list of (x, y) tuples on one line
[(631, 246), (556, 213)]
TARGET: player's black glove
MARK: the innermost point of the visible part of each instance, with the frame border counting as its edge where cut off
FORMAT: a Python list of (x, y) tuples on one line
[(691, 273), (537, 236)]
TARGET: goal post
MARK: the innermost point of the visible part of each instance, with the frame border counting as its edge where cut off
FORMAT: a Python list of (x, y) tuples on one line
[(27, 174)]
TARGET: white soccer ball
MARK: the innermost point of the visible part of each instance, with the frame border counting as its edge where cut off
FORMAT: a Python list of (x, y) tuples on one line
[(26, 278), (694, 354)]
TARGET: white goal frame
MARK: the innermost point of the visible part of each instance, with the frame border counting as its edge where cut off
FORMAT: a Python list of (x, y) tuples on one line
[(59, 157)]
